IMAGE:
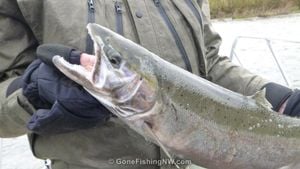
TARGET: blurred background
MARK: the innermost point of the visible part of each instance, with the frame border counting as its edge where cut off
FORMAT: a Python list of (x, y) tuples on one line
[(250, 8)]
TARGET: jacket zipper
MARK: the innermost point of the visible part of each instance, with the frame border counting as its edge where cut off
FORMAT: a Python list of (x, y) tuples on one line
[(119, 19), (91, 19), (200, 20), (175, 34), (196, 12)]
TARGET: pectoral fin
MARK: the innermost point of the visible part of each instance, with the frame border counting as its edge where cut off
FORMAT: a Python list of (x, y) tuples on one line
[(151, 133), (260, 98)]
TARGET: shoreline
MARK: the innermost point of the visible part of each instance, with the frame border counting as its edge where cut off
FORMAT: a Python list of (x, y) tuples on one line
[(252, 8), (231, 19)]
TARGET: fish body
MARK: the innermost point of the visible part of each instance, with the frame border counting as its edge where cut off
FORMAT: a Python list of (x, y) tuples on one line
[(186, 115)]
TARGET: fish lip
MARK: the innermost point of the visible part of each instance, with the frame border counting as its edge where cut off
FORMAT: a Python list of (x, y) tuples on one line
[(104, 63), (126, 91)]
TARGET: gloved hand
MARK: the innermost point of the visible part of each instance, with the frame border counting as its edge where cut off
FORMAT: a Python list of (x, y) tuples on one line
[(292, 107), (62, 105), (279, 95)]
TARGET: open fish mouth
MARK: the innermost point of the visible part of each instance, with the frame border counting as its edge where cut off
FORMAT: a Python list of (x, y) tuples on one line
[(112, 80)]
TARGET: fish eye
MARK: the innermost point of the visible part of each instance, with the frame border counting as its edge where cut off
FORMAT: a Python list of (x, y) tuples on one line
[(114, 56), (115, 60)]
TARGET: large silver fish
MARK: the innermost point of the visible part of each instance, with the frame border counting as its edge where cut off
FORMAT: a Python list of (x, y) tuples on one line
[(186, 115)]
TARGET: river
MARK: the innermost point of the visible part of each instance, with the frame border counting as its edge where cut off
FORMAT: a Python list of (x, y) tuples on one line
[(253, 53)]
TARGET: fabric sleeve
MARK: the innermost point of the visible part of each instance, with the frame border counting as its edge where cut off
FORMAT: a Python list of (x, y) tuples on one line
[(17, 50), (204, 4), (222, 71), (15, 111)]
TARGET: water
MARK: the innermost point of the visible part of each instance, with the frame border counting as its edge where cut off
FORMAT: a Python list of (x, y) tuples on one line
[(254, 54)]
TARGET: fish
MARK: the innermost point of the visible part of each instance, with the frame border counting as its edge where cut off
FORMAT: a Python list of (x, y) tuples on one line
[(188, 116)]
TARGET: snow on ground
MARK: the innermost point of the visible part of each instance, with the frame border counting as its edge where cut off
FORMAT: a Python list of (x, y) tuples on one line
[(15, 154), (254, 54)]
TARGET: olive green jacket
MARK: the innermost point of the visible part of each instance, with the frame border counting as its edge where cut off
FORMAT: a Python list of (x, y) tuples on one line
[(176, 30)]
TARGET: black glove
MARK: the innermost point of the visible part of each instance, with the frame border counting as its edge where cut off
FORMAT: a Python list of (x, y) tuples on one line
[(45, 53), (62, 105), (293, 105), (277, 94)]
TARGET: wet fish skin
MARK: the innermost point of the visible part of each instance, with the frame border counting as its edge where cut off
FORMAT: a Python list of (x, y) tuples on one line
[(190, 116)]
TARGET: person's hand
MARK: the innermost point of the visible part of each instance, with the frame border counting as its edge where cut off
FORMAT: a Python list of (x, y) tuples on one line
[(282, 107), (291, 106), (284, 100), (87, 61), (62, 105)]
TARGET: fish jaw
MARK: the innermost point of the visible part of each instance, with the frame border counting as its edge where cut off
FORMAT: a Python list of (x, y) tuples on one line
[(130, 94), (118, 87)]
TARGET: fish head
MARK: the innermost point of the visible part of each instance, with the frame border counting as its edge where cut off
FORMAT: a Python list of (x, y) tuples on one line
[(120, 79)]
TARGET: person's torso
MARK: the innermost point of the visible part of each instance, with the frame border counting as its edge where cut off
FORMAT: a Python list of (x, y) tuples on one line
[(172, 29)]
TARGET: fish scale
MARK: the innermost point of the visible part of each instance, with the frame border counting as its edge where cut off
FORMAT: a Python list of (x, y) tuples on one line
[(187, 115)]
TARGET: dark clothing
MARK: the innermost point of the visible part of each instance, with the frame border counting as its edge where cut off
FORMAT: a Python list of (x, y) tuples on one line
[(61, 103)]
